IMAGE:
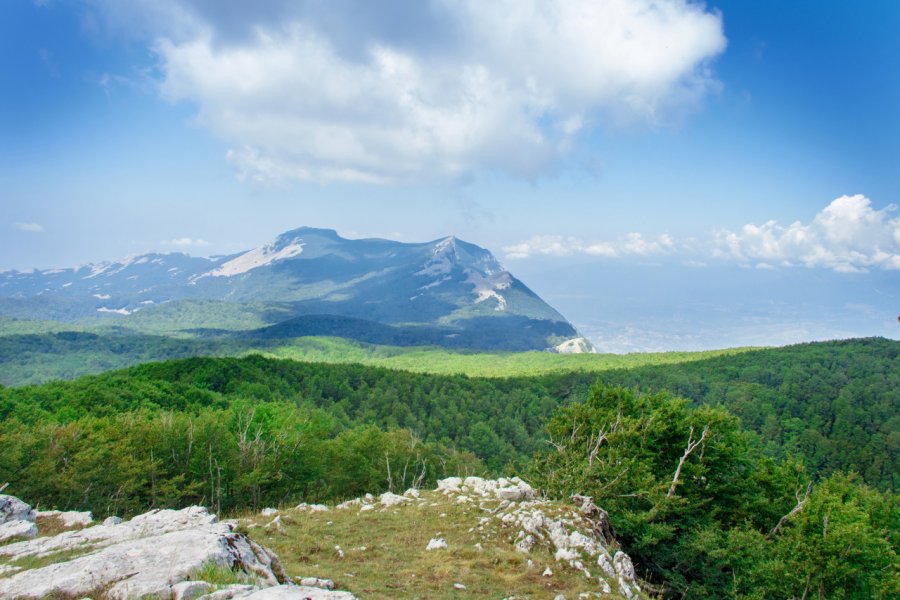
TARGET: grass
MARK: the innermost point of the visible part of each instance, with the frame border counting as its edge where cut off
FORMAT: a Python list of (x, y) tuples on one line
[(380, 554), (50, 526), (218, 575), (27, 563), (476, 364)]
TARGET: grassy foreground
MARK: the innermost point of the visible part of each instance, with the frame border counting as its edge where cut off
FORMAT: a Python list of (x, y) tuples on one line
[(381, 553)]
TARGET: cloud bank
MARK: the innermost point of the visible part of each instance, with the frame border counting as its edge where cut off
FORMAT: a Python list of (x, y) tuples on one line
[(185, 241), (848, 235), (424, 90), (631, 244)]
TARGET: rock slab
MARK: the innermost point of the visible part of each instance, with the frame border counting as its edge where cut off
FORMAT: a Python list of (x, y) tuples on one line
[(153, 555)]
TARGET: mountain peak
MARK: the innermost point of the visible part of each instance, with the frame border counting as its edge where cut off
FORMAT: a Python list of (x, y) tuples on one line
[(329, 233)]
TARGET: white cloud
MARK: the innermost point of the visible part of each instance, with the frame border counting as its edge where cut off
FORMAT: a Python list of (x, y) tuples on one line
[(29, 227), (185, 241), (631, 244), (848, 235), (511, 87)]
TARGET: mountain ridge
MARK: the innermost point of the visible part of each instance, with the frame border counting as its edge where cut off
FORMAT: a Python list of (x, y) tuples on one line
[(455, 286)]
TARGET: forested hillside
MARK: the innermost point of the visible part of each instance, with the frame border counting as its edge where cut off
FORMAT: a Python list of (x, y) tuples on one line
[(238, 433), (836, 404)]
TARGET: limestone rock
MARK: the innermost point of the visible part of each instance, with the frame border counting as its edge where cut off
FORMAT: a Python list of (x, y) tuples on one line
[(17, 529), (16, 519), (317, 582), (297, 592), (152, 555), (190, 590), (13, 509), (388, 499), (625, 571), (69, 518), (436, 544), (575, 538)]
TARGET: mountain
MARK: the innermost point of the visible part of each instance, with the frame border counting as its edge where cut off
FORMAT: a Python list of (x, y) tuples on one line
[(306, 282)]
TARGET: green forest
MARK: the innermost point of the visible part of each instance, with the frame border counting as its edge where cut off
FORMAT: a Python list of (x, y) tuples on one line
[(38, 351), (813, 426)]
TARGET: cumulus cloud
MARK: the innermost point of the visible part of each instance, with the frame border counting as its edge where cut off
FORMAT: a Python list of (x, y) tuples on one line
[(847, 235), (424, 90), (185, 241), (631, 244), (29, 227)]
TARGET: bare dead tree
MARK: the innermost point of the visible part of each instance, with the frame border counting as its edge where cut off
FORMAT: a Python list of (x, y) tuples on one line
[(390, 480), (420, 478), (801, 502), (575, 427), (691, 446), (806, 590), (595, 441)]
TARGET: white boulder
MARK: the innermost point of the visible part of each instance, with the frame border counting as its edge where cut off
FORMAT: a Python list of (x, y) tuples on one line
[(13, 509), (436, 544), (297, 592), (16, 519), (317, 582), (17, 529), (153, 555), (389, 499)]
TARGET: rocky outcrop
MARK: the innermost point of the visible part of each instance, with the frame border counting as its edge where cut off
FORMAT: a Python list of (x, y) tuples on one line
[(161, 553), (580, 538), (16, 519)]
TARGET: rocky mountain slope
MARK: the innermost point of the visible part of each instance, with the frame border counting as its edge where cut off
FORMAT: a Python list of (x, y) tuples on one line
[(446, 292), (470, 537)]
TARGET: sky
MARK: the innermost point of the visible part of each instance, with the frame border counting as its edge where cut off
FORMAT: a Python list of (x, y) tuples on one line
[(669, 174)]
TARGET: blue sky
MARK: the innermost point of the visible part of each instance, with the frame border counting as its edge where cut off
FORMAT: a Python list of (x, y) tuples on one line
[(568, 136)]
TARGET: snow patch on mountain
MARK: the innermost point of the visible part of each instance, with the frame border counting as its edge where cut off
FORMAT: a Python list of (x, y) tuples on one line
[(258, 257), (116, 311), (102, 296)]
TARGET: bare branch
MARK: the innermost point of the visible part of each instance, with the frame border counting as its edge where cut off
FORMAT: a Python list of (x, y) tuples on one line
[(575, 427), (558, 447), (691, 446), (800, 504)]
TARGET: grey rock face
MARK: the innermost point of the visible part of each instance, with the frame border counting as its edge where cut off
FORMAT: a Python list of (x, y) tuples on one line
[(16, 519), (13, 509), (156, 554)]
